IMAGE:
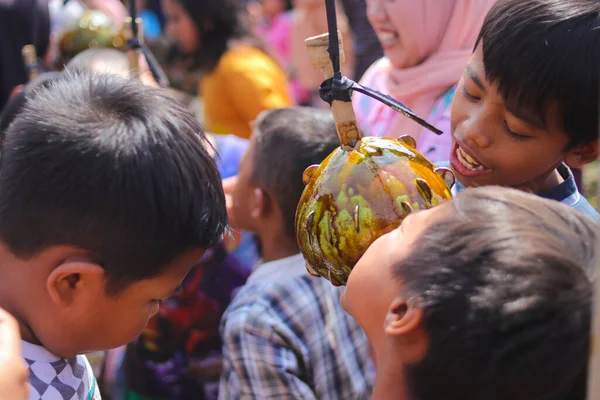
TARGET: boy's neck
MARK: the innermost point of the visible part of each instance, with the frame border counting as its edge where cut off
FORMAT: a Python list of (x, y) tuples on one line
[(276, 246), (389, 381), (553, 180)]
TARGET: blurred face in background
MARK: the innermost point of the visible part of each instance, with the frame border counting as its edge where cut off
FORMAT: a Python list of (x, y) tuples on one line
[(308, 5), (409, 31), (272, 8), (180, 26)]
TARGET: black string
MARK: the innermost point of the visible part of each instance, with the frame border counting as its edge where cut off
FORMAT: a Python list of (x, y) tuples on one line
[(133, 15), (334, 49), (135, 44)]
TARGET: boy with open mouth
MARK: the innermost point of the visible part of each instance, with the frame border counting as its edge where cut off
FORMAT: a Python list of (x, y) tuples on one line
[(526, 108)]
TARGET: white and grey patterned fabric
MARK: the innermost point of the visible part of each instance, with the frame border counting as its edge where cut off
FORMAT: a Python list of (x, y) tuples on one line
[(53, 378)]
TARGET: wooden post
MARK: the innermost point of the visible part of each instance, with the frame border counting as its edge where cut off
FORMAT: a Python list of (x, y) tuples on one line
[(345, 120), (132, 54), (29, 53)]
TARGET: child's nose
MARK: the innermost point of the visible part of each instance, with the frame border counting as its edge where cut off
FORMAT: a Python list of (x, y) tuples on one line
[(477, 135), (375, 11)]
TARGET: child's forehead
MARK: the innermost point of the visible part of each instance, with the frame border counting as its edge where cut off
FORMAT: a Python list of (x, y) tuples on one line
[(524, 104)]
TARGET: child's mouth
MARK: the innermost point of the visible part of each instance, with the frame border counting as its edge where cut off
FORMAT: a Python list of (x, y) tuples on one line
[(387, 38), (463, 163)]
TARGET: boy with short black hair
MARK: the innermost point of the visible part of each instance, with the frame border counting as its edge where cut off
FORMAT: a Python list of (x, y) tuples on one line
[(285, 334), (108, 197), (527, 104), (485, 297)]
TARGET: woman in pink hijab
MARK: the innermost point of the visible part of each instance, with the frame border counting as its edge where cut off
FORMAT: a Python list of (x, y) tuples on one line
[(427, 44)]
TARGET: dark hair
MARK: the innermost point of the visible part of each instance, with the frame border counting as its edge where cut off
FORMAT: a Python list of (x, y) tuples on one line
[(546, 52), (505, 288), (218, 22), (287, 141), (15, 104), (113, 167)]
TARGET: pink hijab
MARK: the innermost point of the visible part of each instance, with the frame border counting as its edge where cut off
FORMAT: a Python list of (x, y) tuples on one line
[(446, 31)]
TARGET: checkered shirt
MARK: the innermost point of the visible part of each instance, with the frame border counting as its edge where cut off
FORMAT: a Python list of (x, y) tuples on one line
[(286, 336), (53, 378)]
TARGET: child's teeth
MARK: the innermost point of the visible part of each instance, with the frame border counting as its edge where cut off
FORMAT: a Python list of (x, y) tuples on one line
[(388, 36), (468, 161)]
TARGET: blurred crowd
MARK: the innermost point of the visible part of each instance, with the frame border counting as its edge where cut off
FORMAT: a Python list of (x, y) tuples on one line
[(237, 326)]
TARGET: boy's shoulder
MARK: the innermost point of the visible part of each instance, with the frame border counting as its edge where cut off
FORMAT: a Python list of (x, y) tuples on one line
[(583, 206), (51, 377), (565, 192)]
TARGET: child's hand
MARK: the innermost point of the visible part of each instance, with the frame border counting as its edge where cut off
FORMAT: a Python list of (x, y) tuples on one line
[(228, 186), (13, 371)]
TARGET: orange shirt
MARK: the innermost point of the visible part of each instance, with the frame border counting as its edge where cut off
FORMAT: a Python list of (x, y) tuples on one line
[(245, 82)]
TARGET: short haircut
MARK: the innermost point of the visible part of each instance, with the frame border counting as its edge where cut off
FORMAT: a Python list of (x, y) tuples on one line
[(543, 53), (113, 167), (288, 140), (15, 104), (507, 297)]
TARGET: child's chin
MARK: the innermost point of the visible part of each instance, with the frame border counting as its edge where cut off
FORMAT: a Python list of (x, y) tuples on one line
[(465, 181)]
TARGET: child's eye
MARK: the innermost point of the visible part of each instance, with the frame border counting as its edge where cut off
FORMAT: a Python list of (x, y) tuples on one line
[(469, 95), (515, 135)]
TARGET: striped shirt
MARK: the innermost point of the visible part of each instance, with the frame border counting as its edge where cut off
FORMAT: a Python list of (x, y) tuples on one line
[(286, 336)]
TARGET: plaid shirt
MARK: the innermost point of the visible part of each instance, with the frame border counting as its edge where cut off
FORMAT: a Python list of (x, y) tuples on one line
[(287, 337)]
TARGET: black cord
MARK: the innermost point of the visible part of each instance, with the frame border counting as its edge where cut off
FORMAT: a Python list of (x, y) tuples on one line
[(334, 48), (157, 72), (135, 44), (133, 15)]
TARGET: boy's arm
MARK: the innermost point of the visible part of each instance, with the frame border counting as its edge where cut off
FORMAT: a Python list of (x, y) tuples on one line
[(258, 363)]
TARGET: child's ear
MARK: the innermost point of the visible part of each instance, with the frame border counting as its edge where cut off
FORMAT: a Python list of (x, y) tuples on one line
[(72, 278), (404, 325), (581, 155), (262, 203)]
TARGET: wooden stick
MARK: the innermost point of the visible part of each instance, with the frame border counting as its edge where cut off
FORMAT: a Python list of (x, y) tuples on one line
[(343, 113), (29, 53), (132, 54)]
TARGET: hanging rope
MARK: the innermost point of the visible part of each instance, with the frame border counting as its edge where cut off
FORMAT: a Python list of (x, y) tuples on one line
[(334, 48), (135, 44)]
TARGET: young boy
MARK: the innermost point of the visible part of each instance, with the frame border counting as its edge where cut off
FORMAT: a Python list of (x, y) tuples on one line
[(285, 334), (485, 297), (527, 104), (108, 196)]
